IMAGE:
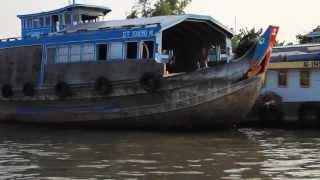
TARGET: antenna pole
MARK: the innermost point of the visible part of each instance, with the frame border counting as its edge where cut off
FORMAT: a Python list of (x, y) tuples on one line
[(235, 24)]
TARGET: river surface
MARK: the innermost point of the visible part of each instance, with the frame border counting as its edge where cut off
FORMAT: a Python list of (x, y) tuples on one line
[(43, 153)]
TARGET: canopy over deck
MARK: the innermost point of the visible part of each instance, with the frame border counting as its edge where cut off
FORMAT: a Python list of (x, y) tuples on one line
[(165, 22), (185, 38)]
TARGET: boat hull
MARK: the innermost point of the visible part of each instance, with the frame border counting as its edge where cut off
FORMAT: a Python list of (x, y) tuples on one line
[(203, 104)]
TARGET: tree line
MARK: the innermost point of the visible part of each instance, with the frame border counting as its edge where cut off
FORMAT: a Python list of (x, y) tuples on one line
[(150, 8)]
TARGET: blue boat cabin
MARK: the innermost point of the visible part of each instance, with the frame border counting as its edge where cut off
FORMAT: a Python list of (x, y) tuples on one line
[(74, 44), (35, 25)]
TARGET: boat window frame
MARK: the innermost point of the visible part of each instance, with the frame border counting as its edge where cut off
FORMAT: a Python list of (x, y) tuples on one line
[(41, 19), (142, 48), (55, 54), (308, 84), (46, 22), (70, 53), (58, 55), (107, 51), (23, 23), (283, 85), (82, 52), (125, 47), (122, 51), (35, 23), (29, 23), (65, 15)]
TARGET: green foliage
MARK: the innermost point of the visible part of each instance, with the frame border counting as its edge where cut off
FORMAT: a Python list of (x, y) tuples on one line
[(302, 39), (144, 8), (141, 8), (244, 40)]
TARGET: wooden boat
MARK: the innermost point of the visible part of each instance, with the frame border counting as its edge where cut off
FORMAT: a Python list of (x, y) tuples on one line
[(70, 68)]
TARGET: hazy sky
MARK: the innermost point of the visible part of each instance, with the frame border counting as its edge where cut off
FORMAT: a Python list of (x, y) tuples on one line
[(293, 16)]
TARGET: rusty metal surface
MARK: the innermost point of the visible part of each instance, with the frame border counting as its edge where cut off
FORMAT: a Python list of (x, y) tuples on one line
[(89, 72), (209, 101), (16, 70)]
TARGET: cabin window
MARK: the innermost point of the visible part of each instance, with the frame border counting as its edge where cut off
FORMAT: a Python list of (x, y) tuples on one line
[(67, 19), (116, 51), (29, 24), (283, 79), (41, 21), (61, 19), (36, 23), (75, 19), (75, 53), (147, 49), (132, 50), (23, 24), (55, 23), (88, 53), (102, 52), (51, 55), (62, 54), (47, 21), (305, 79)]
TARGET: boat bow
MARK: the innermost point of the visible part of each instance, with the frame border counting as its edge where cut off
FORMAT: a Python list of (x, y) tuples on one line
[(259, 55)]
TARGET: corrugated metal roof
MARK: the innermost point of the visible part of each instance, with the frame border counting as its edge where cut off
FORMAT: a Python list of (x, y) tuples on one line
[(99, 8), (164, 21), (296, 45), (280, 57), (300, 52)]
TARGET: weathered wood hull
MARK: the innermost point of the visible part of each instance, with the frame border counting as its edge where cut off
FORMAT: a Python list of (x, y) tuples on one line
[(180, 103), (219, 95)]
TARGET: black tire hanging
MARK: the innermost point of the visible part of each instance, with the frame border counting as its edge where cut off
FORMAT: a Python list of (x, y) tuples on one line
[(271, 116), (150, 82), (103, 86), (28, 89), (63, 90), (309, 116), (7, 91)]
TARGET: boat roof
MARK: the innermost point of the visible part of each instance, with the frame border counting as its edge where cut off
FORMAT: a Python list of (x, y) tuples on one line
[(165, 22), (299, 52), (296, 46), (102, 9)]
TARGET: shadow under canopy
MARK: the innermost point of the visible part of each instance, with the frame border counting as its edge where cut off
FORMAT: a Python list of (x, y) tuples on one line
[(188, 40)]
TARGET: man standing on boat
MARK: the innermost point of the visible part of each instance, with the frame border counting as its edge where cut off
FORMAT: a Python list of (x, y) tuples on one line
[(204, 58)]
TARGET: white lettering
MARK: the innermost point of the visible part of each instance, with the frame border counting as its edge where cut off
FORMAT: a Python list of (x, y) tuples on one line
[(138, 34)]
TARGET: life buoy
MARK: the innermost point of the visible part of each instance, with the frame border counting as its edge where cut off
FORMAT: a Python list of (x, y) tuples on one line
[(150, 82), (63, 90), (7, 91), (28, 89), (103, 86)]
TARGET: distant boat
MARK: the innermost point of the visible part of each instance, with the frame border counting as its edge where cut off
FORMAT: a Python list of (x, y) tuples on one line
[(71, 67), (291, 90)]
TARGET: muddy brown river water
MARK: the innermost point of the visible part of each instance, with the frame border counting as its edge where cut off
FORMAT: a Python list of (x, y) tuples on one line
[(43, 153)]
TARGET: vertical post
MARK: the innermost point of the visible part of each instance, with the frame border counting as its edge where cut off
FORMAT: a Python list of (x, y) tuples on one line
[(235, 24), (73, 2)]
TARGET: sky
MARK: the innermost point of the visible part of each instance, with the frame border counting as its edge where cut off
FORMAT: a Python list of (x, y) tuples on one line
[(293, 16)]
